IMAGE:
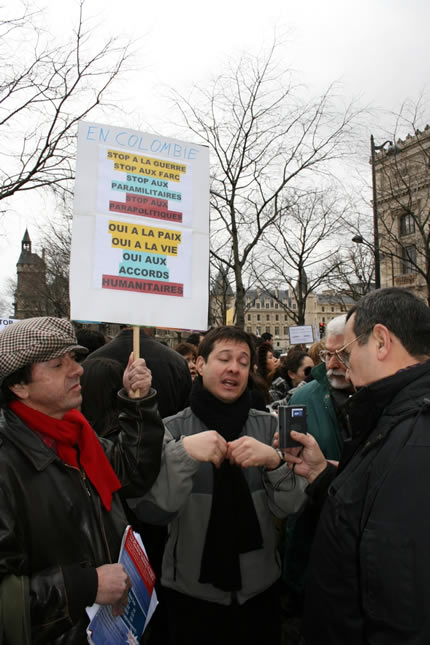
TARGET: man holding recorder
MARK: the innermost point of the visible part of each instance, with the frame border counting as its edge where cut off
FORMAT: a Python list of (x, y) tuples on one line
[(369, 574)]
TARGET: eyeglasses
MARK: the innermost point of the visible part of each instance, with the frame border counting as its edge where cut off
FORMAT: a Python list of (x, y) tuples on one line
[(325, 355), (343, 356)]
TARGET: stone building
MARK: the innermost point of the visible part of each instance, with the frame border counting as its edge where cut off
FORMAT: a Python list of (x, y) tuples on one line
[(403, 203), (42, 283), (31, 274), (323, 307), (264, 312)]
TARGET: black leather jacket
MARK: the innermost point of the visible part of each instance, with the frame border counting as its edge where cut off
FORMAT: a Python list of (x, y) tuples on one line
[(53, 527)]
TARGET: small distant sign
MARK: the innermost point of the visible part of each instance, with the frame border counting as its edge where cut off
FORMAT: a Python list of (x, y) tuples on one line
[(301, 334), (5, 322)]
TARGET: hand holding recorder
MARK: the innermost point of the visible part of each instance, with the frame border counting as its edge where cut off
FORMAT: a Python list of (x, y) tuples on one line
[(301, 450)]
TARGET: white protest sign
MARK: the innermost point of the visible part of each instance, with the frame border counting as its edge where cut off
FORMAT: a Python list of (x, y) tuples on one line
[(5, 322), (300, 334), (140, 245)]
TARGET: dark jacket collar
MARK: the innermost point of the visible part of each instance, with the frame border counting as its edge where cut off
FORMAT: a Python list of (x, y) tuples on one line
[(25, 440), (400, 394)]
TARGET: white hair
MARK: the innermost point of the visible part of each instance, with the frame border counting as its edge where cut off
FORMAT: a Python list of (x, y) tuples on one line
[(336, 327)]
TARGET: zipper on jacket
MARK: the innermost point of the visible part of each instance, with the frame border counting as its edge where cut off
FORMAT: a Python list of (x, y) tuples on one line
[(82, 477), (96, 507), (82, 472), (102, 529), (84, 481), (175, 549), (97, 504)]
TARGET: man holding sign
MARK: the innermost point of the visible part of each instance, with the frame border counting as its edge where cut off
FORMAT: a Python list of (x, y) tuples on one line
[(61, 517)]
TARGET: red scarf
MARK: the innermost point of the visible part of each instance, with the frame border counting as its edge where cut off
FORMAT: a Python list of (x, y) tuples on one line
[(71, 431)]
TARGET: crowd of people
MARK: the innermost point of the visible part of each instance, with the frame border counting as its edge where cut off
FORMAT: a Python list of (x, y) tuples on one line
[(245, 539)]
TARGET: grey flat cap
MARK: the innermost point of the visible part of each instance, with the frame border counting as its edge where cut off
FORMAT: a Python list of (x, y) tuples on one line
[(35, 340)]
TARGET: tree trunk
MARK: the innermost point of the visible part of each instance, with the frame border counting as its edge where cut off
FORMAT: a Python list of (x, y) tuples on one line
[(240, 300)]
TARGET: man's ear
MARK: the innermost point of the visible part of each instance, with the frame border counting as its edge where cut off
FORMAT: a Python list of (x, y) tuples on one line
[(383, 341), (200, 362), (20, 390)]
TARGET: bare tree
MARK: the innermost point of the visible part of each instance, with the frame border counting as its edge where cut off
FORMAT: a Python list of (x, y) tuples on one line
[(263, 139), (56, 242), (45, 89), (220, 294), (5, 308), (298, 250), (351, 272)]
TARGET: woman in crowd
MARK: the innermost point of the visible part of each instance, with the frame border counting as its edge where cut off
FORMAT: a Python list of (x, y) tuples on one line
[(314, 351), (189, 352), (267, 364), (290, 374)]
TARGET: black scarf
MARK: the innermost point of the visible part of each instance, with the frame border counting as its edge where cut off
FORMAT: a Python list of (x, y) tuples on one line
[(233, 524)]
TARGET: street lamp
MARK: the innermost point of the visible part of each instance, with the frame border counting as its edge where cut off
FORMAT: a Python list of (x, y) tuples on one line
[(359, 239), (376, 253)]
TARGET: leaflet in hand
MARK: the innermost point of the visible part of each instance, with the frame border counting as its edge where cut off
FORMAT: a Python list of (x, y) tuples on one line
[(105, 629)]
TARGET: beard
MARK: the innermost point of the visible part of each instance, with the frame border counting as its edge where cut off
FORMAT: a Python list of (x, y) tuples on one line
[(337, 379)]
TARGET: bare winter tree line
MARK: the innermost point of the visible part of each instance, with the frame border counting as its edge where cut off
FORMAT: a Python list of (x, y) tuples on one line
[(270, 148), (45, 89), (280, 217)]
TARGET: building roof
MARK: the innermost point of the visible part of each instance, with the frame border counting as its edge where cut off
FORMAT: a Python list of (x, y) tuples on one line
[(332, 298), (26, 256), (254, 294), (29, 258)]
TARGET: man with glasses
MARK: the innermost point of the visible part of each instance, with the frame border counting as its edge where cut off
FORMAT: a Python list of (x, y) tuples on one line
[(325, 398), (369, 573), (327, 394)]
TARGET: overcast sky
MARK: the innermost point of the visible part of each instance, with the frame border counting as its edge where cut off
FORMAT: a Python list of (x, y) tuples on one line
[(376, 49)]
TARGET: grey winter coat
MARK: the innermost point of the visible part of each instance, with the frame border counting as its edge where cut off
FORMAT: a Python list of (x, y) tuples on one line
[(182, 497)]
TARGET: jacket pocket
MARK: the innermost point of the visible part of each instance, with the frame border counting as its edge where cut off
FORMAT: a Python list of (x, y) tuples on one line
[(389, 579)]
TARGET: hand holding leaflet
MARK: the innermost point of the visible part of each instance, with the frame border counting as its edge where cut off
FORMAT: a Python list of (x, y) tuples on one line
[(106, 628)]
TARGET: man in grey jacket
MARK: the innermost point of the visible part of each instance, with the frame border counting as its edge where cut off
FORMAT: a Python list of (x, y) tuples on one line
[(220, 484)]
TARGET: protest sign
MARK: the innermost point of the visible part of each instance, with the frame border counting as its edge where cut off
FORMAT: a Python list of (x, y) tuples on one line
[(5, 322), (140, 246), (300, 334)]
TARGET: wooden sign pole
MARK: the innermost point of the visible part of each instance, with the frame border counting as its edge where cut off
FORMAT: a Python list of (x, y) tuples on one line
[(136, 353)]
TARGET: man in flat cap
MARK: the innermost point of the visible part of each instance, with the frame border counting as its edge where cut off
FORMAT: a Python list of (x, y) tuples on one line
[(61, 518)]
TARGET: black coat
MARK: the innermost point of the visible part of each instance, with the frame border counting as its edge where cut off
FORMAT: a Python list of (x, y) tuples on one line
[(369, 575), (170, 374), (53, 527)]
